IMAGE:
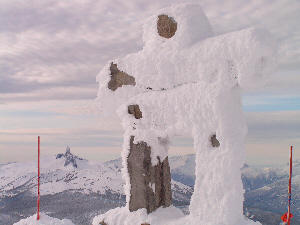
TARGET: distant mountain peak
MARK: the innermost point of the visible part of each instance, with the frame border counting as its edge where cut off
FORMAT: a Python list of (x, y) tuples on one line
[(68, 150), (70, 158), (245, 166)]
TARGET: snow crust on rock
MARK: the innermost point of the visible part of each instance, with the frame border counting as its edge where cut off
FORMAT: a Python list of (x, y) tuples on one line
[(191, 85), (192, 26), (44, 220), (244, 58)]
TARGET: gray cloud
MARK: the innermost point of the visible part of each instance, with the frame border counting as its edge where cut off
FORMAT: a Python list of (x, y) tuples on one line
[(50, 45), (273, 126), (53, 44), (270, 134)]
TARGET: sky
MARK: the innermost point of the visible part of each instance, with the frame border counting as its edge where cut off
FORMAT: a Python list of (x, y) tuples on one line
[(51, 52)]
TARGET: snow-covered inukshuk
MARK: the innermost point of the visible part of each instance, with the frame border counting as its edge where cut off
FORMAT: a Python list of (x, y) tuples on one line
[(187, 82)]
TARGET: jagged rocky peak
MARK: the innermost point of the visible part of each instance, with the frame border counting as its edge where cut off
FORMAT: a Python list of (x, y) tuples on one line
[(70, 158), (68, 151), (245, 166)]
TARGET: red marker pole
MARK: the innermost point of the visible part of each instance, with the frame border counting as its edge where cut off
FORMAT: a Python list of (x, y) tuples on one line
[(290, 187), (38, 200)]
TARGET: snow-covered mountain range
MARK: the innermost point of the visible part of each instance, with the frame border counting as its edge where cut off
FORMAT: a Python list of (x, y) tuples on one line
[(69, 183), (59, 173), (66, 174)]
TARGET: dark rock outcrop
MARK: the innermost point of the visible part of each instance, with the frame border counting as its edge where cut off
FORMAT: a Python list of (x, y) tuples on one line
[(119, 78), (166, 26), (150, 185), (70, 158)]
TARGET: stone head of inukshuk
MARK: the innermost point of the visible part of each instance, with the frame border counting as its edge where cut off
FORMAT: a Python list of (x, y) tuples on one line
[(186, 82)]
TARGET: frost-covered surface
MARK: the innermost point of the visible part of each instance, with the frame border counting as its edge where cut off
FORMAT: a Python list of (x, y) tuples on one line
[(191, 85), (44, 220)]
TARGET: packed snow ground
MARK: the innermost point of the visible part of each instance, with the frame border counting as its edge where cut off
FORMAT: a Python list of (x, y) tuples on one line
[(44, 220)]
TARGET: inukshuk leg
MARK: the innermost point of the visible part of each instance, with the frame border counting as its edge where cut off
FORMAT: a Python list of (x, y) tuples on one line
[(150, 185)]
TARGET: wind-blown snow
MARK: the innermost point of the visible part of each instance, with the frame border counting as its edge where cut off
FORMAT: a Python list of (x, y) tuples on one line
[(191, 85)]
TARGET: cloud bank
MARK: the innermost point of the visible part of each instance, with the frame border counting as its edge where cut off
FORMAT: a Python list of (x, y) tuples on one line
[(53, 49)]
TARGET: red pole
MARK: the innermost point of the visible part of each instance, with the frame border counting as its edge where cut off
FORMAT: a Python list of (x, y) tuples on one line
[(38, 200), (290, 187)]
